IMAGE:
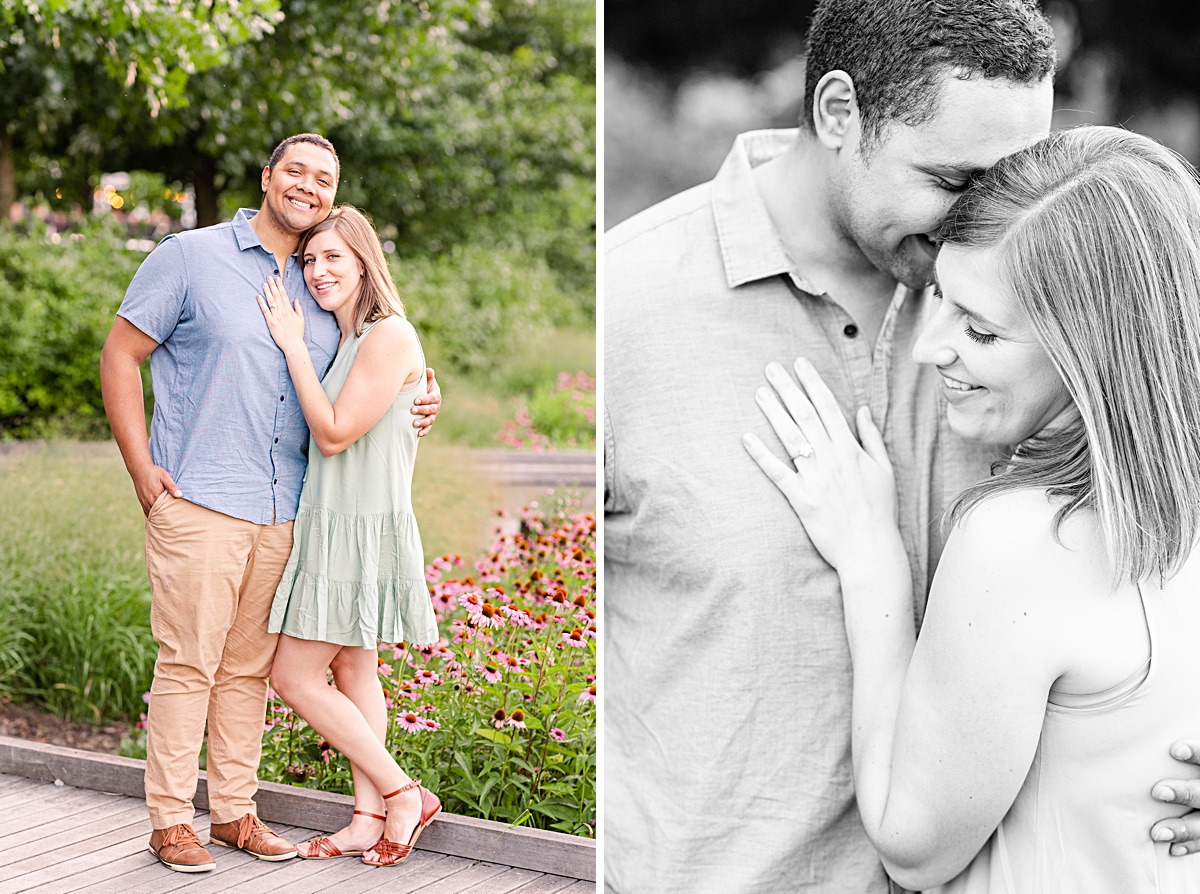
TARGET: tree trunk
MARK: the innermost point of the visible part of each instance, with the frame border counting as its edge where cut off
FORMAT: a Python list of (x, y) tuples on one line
[(204, 182), (8, 178)]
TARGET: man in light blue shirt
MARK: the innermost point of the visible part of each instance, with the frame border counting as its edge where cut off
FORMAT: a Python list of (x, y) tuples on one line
[(219, 481)]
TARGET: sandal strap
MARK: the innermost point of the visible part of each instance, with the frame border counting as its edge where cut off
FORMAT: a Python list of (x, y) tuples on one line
[(374, 815), (389, 852), (325, 848), (412, 784)]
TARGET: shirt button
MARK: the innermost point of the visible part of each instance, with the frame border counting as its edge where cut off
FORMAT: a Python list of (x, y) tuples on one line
[(276, 481), (850, 331), (277, 440), (276, 272), (281, 397)]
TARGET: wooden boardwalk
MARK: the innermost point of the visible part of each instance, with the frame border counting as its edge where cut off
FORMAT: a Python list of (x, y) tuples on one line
[(60, 838)]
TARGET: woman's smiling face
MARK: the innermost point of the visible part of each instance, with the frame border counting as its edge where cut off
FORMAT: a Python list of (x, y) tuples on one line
[(1000, 384), (332, 271)]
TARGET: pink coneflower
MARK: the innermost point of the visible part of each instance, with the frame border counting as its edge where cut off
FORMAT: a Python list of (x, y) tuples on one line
[(517, 719), (427, 678), (575, 639), (490, 672), (518, 616), (471, 602), (411, 722), (589, 694), (558, 735), (489, 616), (499, 718), (431, 724), (385, 669)]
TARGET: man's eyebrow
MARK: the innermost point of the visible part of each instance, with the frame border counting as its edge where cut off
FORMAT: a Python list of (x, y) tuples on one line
[(967, 172), (978, 317), (299, 164)]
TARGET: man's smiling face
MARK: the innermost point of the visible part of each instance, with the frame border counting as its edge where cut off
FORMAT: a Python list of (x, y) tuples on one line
[(300, 189), (892, 200)]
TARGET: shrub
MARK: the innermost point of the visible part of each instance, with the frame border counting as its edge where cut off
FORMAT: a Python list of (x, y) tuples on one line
[(57, 302), (478, 307), (561, 416)]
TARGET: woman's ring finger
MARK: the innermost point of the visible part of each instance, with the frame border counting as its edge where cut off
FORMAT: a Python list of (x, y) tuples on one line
[(804, 451)]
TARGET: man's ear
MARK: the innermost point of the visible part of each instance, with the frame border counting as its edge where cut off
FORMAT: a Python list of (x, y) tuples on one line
[(835, 108), (266, 177)]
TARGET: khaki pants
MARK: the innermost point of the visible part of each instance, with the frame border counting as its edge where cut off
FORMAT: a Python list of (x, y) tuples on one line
[(212, 579)]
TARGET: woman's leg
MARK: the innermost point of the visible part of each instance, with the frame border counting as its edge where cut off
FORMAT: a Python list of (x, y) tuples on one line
[(299, 677), (355, 674)]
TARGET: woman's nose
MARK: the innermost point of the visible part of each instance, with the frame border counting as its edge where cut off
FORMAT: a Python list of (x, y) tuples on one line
[(933, 346)]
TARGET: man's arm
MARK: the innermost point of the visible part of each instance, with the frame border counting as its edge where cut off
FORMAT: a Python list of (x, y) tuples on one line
[(1184, 832), (125, 349), (426, 407)]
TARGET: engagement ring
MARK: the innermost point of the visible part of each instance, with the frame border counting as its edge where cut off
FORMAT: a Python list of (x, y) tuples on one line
[(803, 451)]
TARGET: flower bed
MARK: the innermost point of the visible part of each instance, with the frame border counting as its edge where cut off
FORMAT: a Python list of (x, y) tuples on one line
[(562, 416), (498, 718)]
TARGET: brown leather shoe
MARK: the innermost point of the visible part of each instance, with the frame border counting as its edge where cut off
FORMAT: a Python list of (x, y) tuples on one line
[(178, 848), (251, 835)]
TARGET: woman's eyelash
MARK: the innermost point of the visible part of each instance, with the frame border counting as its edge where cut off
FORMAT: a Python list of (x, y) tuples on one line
[(983, 338)]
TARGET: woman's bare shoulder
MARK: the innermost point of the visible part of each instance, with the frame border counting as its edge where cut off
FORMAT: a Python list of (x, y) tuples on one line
[(388, 338)]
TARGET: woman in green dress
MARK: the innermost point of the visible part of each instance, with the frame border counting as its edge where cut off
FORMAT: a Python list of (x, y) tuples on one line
[(356, 573)]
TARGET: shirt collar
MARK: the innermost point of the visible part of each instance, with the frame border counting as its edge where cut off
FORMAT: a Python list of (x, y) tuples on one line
[(243, 232), (750, 246)]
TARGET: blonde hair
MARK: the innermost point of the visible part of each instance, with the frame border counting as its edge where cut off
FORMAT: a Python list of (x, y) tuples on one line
[(1097, 234), (378, 297)]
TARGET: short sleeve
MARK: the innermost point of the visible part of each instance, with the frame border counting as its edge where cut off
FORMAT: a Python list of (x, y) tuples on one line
[(611, 501), (155, 298)]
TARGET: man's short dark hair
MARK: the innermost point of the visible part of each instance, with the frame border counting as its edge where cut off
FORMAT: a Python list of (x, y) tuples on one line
[(316, 139), (897, 52)]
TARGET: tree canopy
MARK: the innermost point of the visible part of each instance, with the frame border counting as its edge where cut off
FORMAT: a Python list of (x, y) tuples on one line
[(455, 120)]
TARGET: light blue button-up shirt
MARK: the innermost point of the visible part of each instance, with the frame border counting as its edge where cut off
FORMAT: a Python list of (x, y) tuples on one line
[(227, 424)]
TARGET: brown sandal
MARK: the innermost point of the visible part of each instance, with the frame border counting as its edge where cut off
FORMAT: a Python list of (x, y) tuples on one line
[(392, 854), (326, 849)]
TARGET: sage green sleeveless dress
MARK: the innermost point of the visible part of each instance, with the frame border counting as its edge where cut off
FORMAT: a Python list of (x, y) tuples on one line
[(356, 573)]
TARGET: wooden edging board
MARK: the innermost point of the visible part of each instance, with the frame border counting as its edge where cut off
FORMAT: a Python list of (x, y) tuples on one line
[(459, 836)]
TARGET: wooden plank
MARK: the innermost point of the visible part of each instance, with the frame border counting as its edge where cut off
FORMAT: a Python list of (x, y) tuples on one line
[(134, 814), (580, 887), (79, 820), (51, 801), (460, 836), (351, 875), (56, 873), (461, 881), (48, 800), (127, 835), (505, 882), (15, 783), (419, 869), (547, 884)]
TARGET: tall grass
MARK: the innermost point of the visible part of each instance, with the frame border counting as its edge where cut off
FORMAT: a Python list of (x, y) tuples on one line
[(74, 599)]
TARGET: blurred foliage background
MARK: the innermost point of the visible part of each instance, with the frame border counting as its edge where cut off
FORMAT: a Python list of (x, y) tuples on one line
[(465, 128), (681, 80)]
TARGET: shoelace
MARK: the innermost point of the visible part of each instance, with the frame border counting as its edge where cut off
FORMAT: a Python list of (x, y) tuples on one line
[(249, 828), (180, 835)]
